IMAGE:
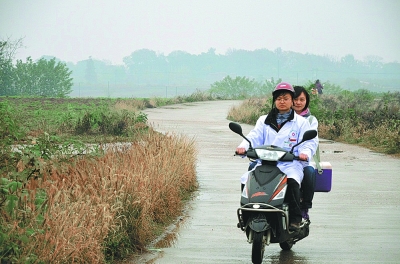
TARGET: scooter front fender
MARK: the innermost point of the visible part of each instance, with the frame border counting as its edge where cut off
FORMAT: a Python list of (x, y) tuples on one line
[(258, 225)]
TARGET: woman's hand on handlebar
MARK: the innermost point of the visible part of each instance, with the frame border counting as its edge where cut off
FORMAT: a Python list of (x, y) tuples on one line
[(303, 157), (240, 151)]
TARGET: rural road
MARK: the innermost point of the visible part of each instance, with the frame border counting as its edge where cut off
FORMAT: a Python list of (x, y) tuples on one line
[(357, 222)]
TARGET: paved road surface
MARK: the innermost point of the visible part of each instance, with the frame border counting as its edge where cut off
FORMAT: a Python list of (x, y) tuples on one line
[(357, 222)]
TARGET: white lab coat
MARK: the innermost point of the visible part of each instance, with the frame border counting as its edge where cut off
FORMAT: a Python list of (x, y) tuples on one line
[(314, 142), (291, 133)]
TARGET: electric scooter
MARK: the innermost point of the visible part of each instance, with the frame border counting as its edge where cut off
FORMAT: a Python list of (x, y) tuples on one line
[(263, 214)]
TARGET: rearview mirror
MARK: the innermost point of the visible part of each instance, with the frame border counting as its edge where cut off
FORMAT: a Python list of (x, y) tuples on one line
[(309, 134), (235, 127)]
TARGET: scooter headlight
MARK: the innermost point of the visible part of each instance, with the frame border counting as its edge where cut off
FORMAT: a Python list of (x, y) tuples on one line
[(271, 155)]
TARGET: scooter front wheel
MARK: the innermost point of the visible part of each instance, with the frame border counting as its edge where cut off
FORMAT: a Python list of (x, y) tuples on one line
[(257, 252)]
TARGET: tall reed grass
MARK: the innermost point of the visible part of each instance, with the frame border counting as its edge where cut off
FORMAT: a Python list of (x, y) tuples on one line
[(250, 110), (105, 207)]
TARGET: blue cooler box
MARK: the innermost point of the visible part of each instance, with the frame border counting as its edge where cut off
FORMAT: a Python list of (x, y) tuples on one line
[(323, 182)]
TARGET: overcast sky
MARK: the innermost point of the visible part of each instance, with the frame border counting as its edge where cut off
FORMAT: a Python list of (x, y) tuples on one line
[(73, 30)]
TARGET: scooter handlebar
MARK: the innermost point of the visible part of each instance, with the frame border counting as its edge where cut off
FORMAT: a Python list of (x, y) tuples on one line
[(237, 154), (245, 154), (298, 158)]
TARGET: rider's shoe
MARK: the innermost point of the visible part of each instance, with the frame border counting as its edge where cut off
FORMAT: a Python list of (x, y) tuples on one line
[(304, 214), (294, 227)]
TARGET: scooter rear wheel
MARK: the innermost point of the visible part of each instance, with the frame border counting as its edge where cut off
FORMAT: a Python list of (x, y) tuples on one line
[(257, 252), (287, 245)]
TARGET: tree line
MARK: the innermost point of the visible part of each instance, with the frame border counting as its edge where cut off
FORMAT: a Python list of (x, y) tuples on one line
[(44, 77), (147, 70)]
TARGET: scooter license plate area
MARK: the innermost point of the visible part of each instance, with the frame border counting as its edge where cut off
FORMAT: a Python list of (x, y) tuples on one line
[(259, 224)]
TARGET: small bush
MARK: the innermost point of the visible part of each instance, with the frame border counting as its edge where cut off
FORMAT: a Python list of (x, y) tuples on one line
[(105, 122)]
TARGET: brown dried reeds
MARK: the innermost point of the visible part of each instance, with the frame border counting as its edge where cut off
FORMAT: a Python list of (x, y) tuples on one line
[(249, 110), (130, 105), (114, 204)]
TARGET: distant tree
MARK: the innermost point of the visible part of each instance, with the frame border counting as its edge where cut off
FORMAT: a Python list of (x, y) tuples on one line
[(90, 75), (237, 88), (242, 87), (349, 62), (24, 84), (54, 78), (181, 67), (6, 70), (268, 86), (42, 78), (146, 66), (8, 48)]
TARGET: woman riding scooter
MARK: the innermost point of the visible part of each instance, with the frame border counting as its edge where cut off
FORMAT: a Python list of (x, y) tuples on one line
[(282, 127), (301, 103)]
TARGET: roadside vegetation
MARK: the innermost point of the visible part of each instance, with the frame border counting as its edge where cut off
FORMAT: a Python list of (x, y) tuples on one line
[(66, 196), (360, 117)]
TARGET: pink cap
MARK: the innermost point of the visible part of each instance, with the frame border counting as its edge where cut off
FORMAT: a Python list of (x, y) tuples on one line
[(284, 86)]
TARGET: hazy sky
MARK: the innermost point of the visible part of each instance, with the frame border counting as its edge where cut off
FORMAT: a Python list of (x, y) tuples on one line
[(73, 30)]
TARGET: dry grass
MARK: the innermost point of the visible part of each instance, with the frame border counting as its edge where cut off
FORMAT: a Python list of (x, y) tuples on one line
[(380, 138), (109, 206), (133, 105), (249, 111)]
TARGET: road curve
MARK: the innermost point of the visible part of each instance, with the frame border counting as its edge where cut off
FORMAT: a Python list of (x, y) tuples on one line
[(357, 222)]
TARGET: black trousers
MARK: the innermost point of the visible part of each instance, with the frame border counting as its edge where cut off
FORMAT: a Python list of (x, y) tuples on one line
[(292, 197), (307, 187)]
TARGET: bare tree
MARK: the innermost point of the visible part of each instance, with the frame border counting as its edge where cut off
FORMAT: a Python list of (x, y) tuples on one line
[(9, 47)]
